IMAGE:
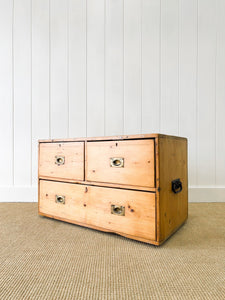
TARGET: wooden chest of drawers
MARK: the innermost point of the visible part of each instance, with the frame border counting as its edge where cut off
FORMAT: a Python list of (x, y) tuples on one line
[(135, 186)]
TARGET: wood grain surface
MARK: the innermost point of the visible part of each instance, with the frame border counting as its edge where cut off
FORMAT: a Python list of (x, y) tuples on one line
[(73, 168), (92, 206), (138, 157)]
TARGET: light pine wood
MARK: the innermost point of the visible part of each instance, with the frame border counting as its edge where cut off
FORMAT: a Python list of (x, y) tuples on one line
[(108, 138), (106, 184), (139, 163), (73, 208), (92, 205), (139, 219), (157, 208), (74, 160), (153, 212), (172, 164)]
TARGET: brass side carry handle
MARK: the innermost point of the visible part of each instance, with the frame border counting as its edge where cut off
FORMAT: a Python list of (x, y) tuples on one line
[(60, 199), (118, 210), (117, 162), (177, 186), (59, 160)]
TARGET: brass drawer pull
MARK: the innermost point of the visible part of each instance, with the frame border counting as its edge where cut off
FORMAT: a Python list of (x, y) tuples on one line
[(117, 162), (59, 160), (118, 210), (60, 199)]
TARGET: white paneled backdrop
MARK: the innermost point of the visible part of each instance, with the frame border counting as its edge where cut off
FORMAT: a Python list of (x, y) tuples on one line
[(71, 68)]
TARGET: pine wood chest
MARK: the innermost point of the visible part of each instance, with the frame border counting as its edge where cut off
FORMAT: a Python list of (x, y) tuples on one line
[(135, 186)]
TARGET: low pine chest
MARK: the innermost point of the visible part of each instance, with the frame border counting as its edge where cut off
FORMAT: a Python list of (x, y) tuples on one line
[(135, 186)]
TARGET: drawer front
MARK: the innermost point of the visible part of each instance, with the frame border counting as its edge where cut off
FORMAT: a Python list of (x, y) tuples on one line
[(62, 200), (129, 162), (122, 211), (62, 160)]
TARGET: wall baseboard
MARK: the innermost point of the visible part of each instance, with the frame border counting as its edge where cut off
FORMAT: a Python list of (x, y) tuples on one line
[(19, 194), (203, 194), (29, 194)]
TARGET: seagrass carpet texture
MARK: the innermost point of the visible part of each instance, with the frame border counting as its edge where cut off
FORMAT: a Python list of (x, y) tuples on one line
[(42, 258)]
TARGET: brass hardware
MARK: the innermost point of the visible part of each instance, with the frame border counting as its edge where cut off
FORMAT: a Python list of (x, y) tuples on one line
[(59, 160), (117, 162), (176, 186), (60, 199), (118, 210)]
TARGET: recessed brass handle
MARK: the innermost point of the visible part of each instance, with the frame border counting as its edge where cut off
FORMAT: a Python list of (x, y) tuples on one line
[(59, 160), (60, 199), (117, 162), (118, 210)]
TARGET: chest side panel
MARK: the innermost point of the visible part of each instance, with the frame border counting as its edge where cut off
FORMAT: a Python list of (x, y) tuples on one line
[(173, 207)]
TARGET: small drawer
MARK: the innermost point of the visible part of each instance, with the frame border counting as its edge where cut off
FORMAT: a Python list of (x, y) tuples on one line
[(62, 200), (130, 162), (62, 160), (122, 211)]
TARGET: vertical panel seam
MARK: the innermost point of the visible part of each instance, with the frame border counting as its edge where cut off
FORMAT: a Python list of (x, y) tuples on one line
[(68, 66), (160, 63), (50, 69), (124, 66), (31, 88), (197, 82), (86, 75), (104, 131), (179, 16), (216, 49), (13, 95), (141, 60)]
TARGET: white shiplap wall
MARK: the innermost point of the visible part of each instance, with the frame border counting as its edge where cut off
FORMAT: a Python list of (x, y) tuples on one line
[(72, 68)]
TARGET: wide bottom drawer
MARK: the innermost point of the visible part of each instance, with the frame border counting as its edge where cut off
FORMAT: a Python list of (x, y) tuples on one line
[(117, 210)]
